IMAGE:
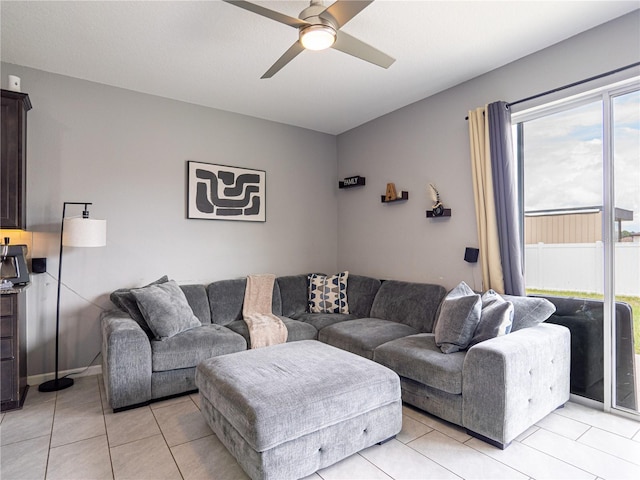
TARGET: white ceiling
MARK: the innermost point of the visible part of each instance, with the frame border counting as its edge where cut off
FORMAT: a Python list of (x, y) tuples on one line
[(212, 53)]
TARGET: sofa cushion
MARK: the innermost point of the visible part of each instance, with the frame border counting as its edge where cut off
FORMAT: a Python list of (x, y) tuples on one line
[(125, 301), (496, 318), (361, 291), (321, 320), (165, 309), (459, 315), (226, 298), (296, 330), (294, 293), (363, 335), (529, 311), (418, 357), (414, 304), (197, 297), (328, 294), (189, 348)]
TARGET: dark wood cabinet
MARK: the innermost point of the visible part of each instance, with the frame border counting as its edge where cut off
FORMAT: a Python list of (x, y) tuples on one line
[(13, 350), (13, 174)]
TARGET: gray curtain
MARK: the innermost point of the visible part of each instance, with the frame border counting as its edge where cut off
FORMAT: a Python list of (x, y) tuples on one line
[(505, 191)]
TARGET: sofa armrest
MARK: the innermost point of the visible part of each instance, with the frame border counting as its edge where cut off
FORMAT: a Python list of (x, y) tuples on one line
[(126, 360), (511, 382)]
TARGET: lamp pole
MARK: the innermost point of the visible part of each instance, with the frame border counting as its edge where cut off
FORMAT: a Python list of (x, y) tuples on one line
[(64, 382)]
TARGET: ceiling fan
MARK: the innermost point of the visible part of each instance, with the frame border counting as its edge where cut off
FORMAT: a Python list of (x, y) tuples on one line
[(318, 29)]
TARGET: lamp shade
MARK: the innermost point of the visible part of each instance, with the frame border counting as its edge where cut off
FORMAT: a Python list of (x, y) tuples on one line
[(84, 232)]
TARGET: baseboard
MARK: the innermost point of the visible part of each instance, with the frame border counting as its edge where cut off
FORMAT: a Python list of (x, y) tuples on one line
[(76, 372)]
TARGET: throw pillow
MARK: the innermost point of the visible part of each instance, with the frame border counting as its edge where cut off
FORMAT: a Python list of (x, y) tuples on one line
[(459, 315), (529, 311), (165, 308), (328, 294), (125, 301), (496, 318)]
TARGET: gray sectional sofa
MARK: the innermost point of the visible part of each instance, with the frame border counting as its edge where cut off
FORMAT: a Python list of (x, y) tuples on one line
[(495, 389)]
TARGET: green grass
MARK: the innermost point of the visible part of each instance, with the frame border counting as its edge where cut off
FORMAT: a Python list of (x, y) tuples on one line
[(634, 302)]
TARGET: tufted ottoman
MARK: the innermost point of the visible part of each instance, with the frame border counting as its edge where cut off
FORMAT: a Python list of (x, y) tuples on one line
[(288, 410)]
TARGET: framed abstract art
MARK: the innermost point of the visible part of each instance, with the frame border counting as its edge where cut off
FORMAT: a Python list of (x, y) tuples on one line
[(221, 192)]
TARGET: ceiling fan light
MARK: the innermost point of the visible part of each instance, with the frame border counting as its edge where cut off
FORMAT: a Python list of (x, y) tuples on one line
[(317, 37)]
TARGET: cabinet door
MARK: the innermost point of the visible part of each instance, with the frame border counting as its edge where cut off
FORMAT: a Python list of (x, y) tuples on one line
[(13, 171), (8, 386)]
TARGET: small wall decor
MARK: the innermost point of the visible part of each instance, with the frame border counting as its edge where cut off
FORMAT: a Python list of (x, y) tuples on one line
[(392, 195), (355, 181), (221, 192), (438, 209)]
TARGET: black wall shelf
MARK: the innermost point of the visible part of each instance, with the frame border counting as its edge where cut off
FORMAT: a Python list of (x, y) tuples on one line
[(404, 196), (350, 182), (446, 213)]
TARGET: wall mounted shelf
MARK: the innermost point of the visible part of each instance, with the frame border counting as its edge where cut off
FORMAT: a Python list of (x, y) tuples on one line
[(446, 213), (404, 196), (350, 182)]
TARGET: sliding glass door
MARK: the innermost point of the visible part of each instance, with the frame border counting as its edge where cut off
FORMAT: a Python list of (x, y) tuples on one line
[(580, 172)]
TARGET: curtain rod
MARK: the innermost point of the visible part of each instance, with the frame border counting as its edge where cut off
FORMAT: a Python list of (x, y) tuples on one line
[(570, 85)]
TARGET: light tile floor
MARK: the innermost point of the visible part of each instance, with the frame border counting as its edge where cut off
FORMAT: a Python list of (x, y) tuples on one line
[(72, 434)]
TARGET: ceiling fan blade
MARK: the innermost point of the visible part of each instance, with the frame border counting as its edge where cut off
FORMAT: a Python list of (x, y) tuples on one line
[(289, 55), (265, 12), (351, 45), (343, 11)]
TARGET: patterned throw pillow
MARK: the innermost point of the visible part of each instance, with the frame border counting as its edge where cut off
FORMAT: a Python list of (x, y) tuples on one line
[(328, 294)]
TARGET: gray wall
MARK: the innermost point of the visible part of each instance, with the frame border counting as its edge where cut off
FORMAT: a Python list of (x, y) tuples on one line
[(126, 152), (428, 142)]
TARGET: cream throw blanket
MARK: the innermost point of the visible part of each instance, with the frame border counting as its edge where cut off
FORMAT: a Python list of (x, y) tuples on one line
[(264, 327)]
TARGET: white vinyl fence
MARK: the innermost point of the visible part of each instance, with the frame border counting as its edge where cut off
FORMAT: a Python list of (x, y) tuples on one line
[(578, 267)]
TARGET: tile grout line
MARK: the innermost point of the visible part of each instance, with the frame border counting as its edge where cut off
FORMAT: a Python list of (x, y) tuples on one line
[(559, 459), (165, 438), (547, 429), (106, 431), (443, 433), (535, 449), (577, 440), (429, 458), (170, 448), (212, 434), (591, 425), (374, 465), (496, 459), (558, 411), (568, 462), (53, 419)]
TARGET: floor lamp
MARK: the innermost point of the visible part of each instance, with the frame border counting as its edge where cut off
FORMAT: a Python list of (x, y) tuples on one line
[(74, 232)]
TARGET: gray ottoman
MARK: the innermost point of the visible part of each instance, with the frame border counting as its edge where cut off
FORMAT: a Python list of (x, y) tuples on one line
[(288, 410)]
